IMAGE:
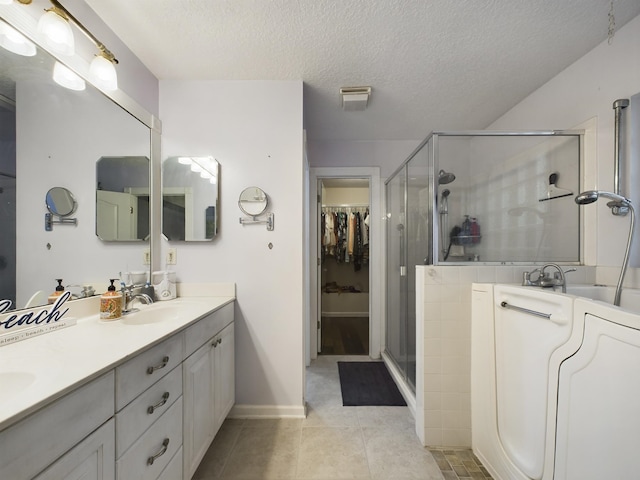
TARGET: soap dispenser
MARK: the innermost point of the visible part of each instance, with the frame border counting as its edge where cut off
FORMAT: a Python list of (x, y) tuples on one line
[(59, 291), (111, 303)]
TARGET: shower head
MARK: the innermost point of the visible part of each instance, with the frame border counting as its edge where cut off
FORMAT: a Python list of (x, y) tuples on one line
[(445, 177), (445, 193), (591, 196)]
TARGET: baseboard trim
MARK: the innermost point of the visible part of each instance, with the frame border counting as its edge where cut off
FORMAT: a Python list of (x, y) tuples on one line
[(268, 411)]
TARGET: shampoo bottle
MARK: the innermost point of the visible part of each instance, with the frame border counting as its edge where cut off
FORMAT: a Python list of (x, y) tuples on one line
[(111, 303), (59, 291)]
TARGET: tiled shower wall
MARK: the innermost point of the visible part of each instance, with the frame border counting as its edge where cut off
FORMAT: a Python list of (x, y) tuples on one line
[(443, 322)]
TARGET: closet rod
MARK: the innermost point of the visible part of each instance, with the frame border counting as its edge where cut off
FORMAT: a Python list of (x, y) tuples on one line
[(343, 205)]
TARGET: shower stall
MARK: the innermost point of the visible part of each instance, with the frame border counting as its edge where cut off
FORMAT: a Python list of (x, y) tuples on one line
[(503, 198)]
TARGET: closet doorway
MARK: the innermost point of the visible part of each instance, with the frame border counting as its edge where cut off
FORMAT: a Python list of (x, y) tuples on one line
[(344, 277)]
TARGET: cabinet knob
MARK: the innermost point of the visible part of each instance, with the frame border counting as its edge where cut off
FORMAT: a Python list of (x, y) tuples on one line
[(162, 451), (152, 408), (165, 360)]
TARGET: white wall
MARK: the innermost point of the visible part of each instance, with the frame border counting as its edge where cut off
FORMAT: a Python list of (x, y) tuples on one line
[(386, 154), (585, 90), (254, 129)]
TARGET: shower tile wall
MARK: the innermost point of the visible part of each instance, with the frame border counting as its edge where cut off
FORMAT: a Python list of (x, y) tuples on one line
[(443, 309)]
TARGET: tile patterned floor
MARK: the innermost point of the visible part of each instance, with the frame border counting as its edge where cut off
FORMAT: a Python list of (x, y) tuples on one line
[(459, 464), (332, 443)]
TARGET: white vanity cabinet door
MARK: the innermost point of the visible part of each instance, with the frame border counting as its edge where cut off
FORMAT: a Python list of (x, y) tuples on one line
[(161, 442), (143, 370), (91, 459), (209, 393), (207, 327), (224, 375), (199, 396), (31, 445)]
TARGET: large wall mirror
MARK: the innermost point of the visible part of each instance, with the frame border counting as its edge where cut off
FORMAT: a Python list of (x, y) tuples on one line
[(190, 195), (51, 136)]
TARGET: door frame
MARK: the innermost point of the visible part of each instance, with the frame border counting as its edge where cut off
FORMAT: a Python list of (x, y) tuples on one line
[(375, 253)]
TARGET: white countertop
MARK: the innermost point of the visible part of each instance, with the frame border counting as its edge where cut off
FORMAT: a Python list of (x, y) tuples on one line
[(46, 367)]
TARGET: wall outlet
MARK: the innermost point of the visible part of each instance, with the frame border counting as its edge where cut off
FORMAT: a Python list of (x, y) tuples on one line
[(172, 257), (146, 257)]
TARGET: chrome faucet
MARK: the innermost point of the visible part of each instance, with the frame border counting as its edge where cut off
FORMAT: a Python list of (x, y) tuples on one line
[(128, 297), (526, 278), (545, 280)]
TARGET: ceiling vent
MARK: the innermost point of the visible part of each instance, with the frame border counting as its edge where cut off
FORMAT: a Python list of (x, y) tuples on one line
[(355, 98)]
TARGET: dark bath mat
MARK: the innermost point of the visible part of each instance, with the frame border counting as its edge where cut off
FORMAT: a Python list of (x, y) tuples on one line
[(368, 384)]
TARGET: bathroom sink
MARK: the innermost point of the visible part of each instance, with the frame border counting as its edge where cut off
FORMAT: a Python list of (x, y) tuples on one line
[(14, 383), (164, 311), (152, 315), (22, 374)]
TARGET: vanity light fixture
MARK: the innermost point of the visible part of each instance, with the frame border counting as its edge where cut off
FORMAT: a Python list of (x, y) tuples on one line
[(67, 78), (355, 98), (55, 27), (56, 31), (14, 41), (103, 71)]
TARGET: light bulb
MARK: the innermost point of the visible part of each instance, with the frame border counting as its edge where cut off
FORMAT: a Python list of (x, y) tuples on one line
[(213, 180), (67, 78), (205, 174), (15, 42), (195, 167), (57, 32), (184, 160), (103, 73)]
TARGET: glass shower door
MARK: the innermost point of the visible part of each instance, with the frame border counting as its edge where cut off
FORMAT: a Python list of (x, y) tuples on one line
[(396, 325)]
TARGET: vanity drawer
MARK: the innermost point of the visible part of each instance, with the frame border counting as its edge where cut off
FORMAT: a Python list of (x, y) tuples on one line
[(199, 333), (174, 469), (139, 415), (32, 444), (136, 463), (142, 371)]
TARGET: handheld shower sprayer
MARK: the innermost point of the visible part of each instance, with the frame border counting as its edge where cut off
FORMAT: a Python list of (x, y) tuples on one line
[(619, 203)]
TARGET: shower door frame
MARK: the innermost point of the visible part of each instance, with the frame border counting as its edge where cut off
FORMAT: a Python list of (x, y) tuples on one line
[(435, 221), (432, 254)]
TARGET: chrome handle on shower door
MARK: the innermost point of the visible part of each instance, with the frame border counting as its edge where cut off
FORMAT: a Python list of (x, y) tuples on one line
[(403, 267)]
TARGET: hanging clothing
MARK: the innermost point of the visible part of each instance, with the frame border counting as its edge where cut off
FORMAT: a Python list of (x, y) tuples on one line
[(345, 234)]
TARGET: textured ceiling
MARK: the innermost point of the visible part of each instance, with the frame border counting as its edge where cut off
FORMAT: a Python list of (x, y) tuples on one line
[(432, 64)]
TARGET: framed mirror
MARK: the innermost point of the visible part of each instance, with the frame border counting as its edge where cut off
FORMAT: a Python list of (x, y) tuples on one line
[(253, 201), (60, 201), (190, 198), (122, 199), (51, 135)]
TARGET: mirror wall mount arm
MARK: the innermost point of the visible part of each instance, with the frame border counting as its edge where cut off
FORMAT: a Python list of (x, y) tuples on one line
[(49, 221), (255, 220)]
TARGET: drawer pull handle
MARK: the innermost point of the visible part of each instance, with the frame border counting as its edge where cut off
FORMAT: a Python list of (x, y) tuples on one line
[(162, 451), (216, 342), (165, 360), (152, 408)]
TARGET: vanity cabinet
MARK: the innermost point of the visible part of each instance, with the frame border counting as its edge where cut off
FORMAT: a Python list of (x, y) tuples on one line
[(43, 439), (91, 459), (152, 417), (208, 384), (149, 410)]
